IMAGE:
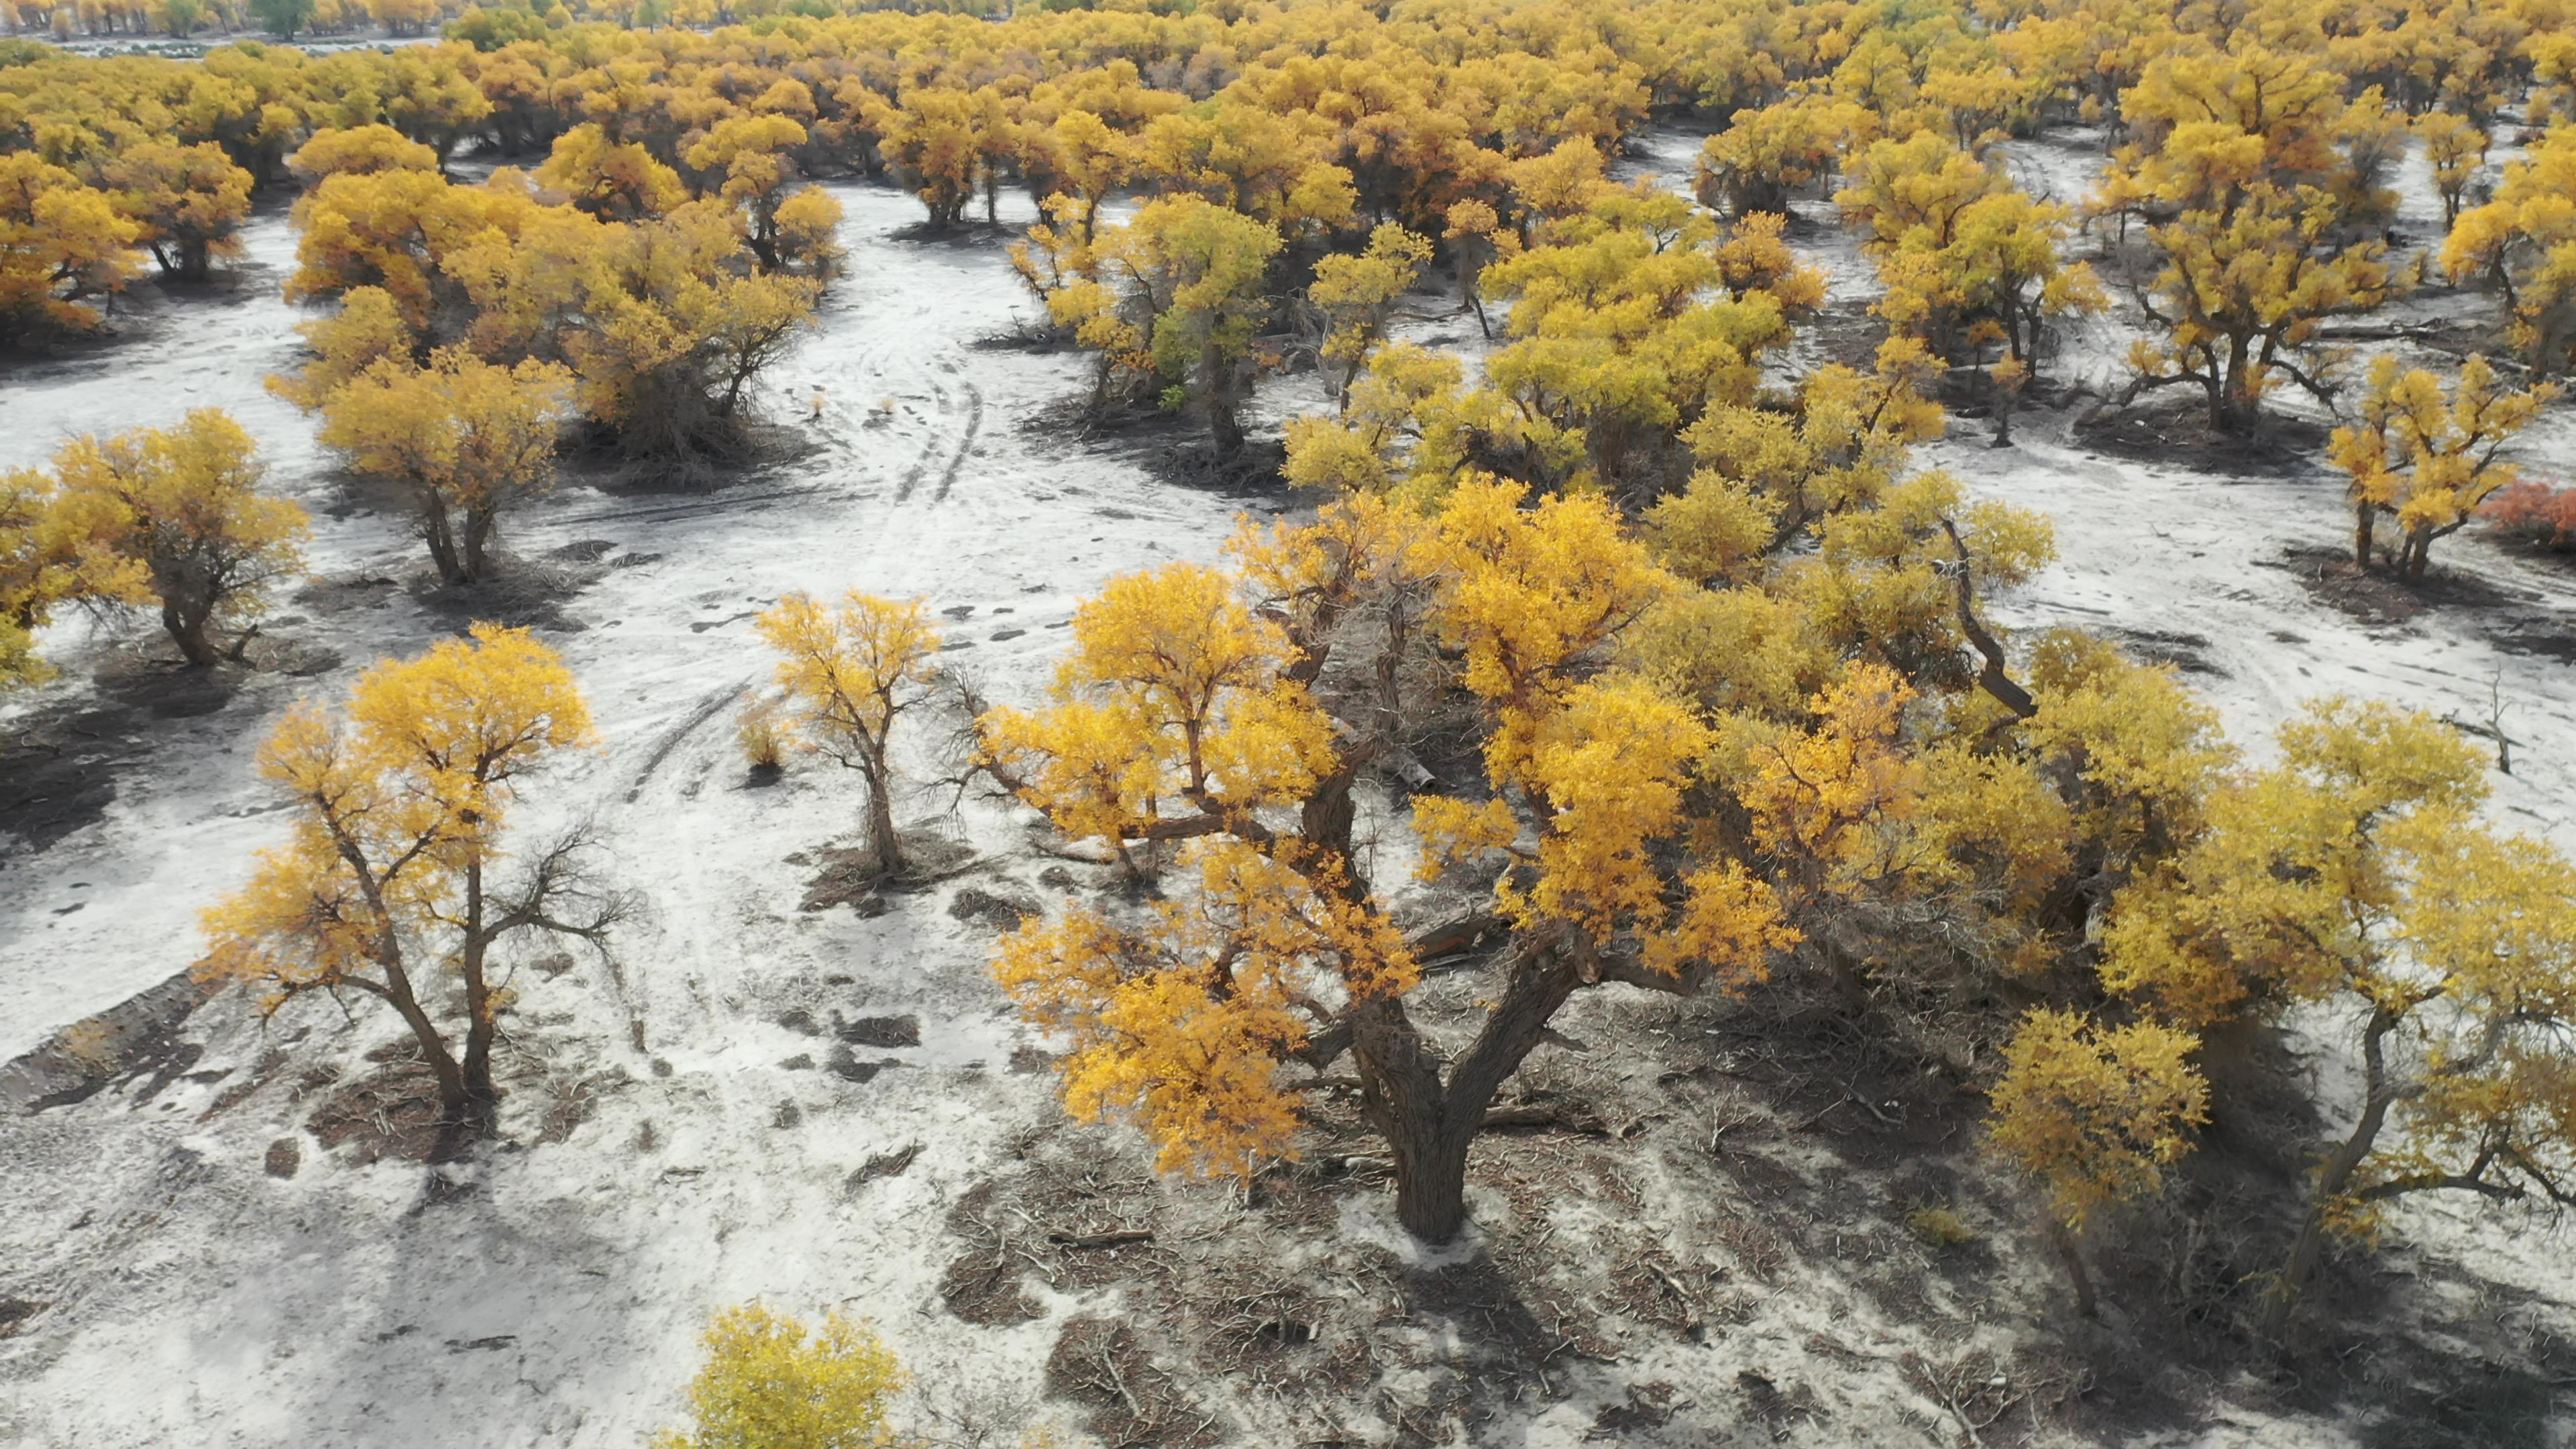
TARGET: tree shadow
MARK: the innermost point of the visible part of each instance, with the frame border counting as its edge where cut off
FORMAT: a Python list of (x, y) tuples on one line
[(61, 761)]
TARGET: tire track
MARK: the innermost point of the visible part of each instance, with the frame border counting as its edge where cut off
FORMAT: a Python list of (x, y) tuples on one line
[(965, 443), (707, 709), (921, 465), (715, 504)]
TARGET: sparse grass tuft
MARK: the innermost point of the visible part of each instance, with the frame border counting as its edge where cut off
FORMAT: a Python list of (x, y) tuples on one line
[(1939, 1227)]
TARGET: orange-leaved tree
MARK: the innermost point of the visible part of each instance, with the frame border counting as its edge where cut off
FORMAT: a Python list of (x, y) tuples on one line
[(1230, 713), (392, 882)]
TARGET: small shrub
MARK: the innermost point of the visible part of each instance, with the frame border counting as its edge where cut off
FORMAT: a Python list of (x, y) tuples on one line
[(2535, 513), (1939, 1227), (768, 1385), (91, 1046), (763, 735)]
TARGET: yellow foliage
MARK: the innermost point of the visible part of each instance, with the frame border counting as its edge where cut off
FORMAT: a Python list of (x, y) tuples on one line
[(2096, 1114), (181, 509), (48, 559), (397, 801), (2524, 243), (1181, 1023), (852, 671), (2290, 892), (1174, 696), (187, 203), (1536, 594), (465, 438), (2426, 460), (61, 243), (770, 1383)]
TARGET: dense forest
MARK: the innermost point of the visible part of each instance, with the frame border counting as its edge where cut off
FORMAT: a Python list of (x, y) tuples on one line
[(1593, 733)]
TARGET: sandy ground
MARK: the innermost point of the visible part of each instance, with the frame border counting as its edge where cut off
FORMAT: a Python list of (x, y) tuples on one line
[(718, 1113)]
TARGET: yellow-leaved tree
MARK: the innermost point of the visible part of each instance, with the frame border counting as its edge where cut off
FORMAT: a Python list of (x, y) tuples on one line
[(851, 672), (2355, 876), (393, 880), (187, 203), (464, 438), (2426, 460), (1357, 294), (1232, 712), (183, 508), (1173, 302), (45, 562), (2523, 243), (61, 244), (2094, 1115)]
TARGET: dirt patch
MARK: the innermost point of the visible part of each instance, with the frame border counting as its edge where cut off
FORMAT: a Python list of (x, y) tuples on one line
[(1098, 1363), (2184, 651), (2174, 431), (982, 1284), (392, 1112), (849, 875), (284, 1158), (136, 1040), (878, 1031), (846, 876), (521, 593), (61, 763), (567, 1100), (883, 1164), (15, 1312), (995, 910)]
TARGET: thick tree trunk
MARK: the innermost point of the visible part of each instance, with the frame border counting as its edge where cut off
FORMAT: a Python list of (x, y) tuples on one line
[(2365, 518), (884, 842), (1401, 1093), (2418, 555), (1431, 1181), (478, 537), (480, 1112), (187, 629), (441, 537), (1223, 425), (454, 1099), (1429, 1125), (2234, 410)]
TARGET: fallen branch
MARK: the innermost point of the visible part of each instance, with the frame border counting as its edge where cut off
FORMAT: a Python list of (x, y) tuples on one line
[(1115, 1237)]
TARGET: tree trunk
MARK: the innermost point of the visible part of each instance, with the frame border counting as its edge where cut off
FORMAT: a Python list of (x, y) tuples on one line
[(1430, 1125), (1400, 1091), (480, 1112), (1223, 425), (1431, 1180), (2365, 517), (2333, 1176), (441, 538), (884, 842), (478, 536), (2235, 400), (453, 1097), (2068, 1252), (188, 630)]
